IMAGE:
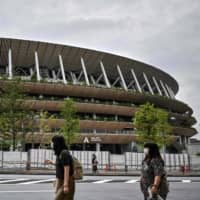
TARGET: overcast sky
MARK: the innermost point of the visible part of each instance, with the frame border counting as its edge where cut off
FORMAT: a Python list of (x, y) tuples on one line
[(163, 33)]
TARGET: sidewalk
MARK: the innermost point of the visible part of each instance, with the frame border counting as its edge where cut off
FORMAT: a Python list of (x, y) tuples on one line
[(100, 173)]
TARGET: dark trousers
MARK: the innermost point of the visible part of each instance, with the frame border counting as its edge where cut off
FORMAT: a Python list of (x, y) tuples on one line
[(60, 195)]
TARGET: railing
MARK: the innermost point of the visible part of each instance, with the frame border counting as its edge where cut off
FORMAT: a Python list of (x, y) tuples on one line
[(34, 159)]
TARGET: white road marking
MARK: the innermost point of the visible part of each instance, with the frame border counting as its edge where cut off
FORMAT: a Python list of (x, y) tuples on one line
[(132, 181), (40, 181), (103, 181), (186, 181), (13, 180), (26, 191)]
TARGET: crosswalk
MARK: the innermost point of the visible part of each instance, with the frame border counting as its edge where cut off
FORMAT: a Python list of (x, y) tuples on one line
[(27, 181)]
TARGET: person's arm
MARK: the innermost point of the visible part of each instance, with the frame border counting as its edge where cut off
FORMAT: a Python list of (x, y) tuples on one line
[(66, 179), (156, 184), (158, 168), (49, 162)]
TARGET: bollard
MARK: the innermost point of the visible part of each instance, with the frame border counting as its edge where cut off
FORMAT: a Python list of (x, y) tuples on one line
[(187, 168), (28, 166), (126, 168), (106, 168), (115, 168), (182, 169)]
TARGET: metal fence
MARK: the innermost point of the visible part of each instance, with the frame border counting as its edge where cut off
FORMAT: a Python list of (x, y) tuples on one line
[(172, 161), (35, 158), (9, 159)]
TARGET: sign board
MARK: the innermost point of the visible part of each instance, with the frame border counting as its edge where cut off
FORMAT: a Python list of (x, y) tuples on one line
[(86, 140), (96, 139)]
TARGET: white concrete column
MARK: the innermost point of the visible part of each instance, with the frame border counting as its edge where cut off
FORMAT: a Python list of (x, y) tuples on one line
[(122, 78), (170, 91), (157, 86), (62, 69), (148, 84), (54, 75), (163, 87), (99, 78), (93, 80), (37, 66), (94, 116), (189, 140), (105, 75), (79, 77), (180, 140), (10, 71), (185, 140), (136, 80), (118, 78), (31, 72), (85, 71), (98, 147), (131, 84), (73, 77)]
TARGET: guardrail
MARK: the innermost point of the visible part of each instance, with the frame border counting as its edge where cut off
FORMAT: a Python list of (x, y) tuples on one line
[(34, 159)]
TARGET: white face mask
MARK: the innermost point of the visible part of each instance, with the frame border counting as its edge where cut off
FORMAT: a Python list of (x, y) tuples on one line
[(146, 151)]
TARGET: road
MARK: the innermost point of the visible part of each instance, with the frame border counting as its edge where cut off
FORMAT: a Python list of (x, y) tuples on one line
[(17, 187)]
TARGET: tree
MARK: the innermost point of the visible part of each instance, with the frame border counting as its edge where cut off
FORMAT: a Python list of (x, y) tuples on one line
[(12, 106), (44, 125), (71, 127), (151, 125)]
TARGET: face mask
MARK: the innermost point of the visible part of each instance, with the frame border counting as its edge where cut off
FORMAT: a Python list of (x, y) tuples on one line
[(146, 151)]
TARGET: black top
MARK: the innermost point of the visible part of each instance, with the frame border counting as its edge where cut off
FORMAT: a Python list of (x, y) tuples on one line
[(64, 159), (151, 169)]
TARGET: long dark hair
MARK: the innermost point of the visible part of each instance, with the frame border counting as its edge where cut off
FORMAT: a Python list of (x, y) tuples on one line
[(58, 144), (153, 152)]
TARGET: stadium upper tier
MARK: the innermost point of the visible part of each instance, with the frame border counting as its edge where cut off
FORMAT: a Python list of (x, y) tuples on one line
[(60, 63)]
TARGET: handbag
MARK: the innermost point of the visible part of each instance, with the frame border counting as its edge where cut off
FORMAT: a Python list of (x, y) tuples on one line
[(153, 196)]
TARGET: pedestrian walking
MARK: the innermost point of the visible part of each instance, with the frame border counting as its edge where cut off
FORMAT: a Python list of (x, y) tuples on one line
[(65, 184), (94, 164), (153, 181)]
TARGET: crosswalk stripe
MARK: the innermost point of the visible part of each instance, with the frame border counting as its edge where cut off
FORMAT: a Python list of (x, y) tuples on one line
[(28, 181), (34, 182), (186, 181), (132, 181), (103, 181), (13, 180)]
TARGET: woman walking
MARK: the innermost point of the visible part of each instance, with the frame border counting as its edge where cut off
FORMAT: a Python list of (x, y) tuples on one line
[(94, 164), (153, 180), (65, 185)]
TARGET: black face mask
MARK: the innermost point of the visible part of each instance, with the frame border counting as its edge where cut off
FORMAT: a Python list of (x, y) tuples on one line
[(56, 149), (58, 144)]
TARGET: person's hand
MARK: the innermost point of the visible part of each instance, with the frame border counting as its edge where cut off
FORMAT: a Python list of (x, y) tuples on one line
[(154, 189), (65, 188), (48, 162)]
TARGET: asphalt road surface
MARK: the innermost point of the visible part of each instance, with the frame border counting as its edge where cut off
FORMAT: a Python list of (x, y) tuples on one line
[(19, 187)]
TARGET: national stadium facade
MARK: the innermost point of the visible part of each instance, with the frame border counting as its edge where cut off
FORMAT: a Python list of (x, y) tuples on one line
[(107, 90)]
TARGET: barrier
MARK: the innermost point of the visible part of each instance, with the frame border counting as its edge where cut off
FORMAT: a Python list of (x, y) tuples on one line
[(128, 161)]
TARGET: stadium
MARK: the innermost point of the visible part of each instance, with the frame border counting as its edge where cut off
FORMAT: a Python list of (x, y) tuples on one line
[(106, 88)]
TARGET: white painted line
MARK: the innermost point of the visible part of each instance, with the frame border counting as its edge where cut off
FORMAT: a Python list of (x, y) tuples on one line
[(103, 181), (13, 180), (40, 181), (132, 181), (186, 181), (27, 191)]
